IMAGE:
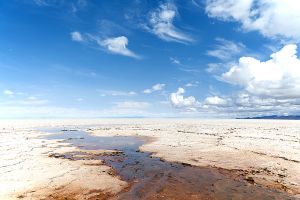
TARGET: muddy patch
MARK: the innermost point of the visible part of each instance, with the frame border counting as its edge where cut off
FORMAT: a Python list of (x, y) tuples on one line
[(152, 178)]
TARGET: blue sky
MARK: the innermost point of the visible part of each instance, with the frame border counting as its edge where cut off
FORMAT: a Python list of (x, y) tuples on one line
[(196, 58)]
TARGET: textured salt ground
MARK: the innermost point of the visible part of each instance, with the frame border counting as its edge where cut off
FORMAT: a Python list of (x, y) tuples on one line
[(267, 151), (30, 169), (152, 178)]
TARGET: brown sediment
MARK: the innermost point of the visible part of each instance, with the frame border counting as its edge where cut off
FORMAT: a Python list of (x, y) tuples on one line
[(101, 196), (94, 195), (75, 195), (153, 178), (191, 182), (181, 181)]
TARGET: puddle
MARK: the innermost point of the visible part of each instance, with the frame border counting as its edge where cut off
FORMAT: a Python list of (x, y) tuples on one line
[(151, 178), (85, 141)]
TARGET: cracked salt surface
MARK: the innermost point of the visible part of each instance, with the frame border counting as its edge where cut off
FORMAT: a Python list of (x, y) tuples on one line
[(152, 178)]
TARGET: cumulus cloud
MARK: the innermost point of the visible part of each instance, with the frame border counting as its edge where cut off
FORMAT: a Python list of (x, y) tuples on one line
[(215, 101), (267, 87), (226, 49), (247, 101), (278, 77), (76, 36), (178, 99), (118, 45), (272, 18), (161, 24), (156, 87)]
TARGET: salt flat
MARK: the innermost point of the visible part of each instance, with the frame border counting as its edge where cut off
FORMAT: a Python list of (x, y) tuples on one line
[(267, 151)]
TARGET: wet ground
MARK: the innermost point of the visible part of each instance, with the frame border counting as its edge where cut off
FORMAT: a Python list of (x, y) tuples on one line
[(152, 178)]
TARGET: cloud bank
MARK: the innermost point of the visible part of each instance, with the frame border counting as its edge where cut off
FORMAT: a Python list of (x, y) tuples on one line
[(266, 88), (278, 77), (272, 18), (178, 100)]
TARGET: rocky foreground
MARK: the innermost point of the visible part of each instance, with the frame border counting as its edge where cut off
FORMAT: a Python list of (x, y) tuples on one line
[(265, 152)]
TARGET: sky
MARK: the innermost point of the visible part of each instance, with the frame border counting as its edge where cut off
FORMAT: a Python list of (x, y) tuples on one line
[(139, 58)]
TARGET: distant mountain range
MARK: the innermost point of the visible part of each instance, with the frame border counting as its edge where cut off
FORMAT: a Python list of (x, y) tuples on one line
[(291, 117)]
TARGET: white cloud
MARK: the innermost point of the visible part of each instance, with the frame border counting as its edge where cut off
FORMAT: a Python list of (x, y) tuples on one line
[(190, 70), (32, 98), (175, 61), (272, 18), (116, 93), (8, 93), (225, 49), (244, 100), (118, 45), (147, 91), (161, 24), (267, 87), (278, 77), (192, 84), (215, 101), (132, 105), (156, 87), (214, 67), (76, 36), (178, 99)]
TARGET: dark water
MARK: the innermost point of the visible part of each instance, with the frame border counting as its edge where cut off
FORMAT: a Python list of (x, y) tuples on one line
[(151, 178)]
